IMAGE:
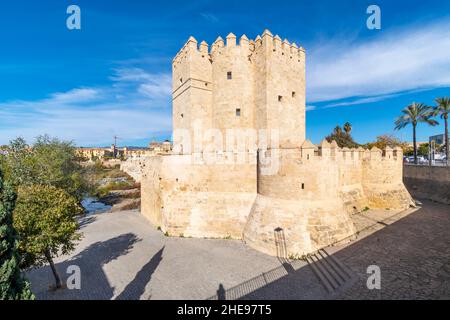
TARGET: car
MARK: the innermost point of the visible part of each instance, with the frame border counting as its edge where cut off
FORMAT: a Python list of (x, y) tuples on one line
[(420, 159)]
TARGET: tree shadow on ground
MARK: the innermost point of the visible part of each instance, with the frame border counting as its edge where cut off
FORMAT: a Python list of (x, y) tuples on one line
[(94, 283), (135, 289), (85, 220)]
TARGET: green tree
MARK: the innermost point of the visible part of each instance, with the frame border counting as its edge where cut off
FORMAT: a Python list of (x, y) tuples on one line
[(48, 162), (443, 109), (347, 127), (387, 140), (45, 217), (342, 138), (12, 285), (19, 163), (413, 115), (423, 149)]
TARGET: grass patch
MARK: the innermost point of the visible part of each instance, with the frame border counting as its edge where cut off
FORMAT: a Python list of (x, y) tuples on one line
[(297, 257), (115, 186), (132, 195), (95, 173)]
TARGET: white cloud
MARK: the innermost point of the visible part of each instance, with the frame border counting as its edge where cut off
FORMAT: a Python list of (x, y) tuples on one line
[(209, 17), (75, 95), (92, 127), (130, 75), (361, 101), (396, 61), (151, 85), (95, 124), (161, 86), (136, 106)]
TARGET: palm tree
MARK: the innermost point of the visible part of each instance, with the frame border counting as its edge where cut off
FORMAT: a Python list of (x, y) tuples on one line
[(338, 130), (347, 127), (443, 109), (414, 114)]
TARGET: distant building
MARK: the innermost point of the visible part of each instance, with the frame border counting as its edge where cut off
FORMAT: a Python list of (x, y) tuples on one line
[(93, 153), (160, 147), (115, 152), (438, 139), (419, 143), (135, 152)]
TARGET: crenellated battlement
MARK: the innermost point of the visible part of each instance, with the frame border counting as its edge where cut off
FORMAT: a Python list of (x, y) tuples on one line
[(326, 150), (262, 44)]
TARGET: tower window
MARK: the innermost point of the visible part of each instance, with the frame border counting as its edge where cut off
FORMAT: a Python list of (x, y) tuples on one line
[(280, 98), (293, 94), (303, 186), (238, 112), (182, 115), (229, 75)]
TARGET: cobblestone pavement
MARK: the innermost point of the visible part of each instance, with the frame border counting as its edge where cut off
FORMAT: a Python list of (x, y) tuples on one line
[(123, 257), (413, 254)]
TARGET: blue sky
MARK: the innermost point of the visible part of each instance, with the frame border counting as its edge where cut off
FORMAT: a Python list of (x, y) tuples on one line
[(112, 77)]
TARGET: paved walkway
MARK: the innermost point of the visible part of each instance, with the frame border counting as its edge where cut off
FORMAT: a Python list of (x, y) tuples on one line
[(123, 257), (413, 254)]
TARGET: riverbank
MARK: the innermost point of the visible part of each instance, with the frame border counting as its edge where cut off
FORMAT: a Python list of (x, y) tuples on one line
[(110, 189)]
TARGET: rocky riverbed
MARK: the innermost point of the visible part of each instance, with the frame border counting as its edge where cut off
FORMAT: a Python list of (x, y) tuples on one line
[(111, 190)]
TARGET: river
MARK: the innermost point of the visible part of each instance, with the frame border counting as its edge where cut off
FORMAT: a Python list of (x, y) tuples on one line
[(92, 205)]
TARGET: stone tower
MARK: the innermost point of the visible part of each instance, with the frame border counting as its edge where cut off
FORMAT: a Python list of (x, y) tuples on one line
[(305, 194), (254, 84)]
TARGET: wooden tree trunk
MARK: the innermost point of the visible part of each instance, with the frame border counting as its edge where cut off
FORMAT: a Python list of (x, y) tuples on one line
[(55, 273)]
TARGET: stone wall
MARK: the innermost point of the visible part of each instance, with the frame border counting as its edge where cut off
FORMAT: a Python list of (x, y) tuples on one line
[(428, 182), (133, 167), (309, 197), (186, 198)]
